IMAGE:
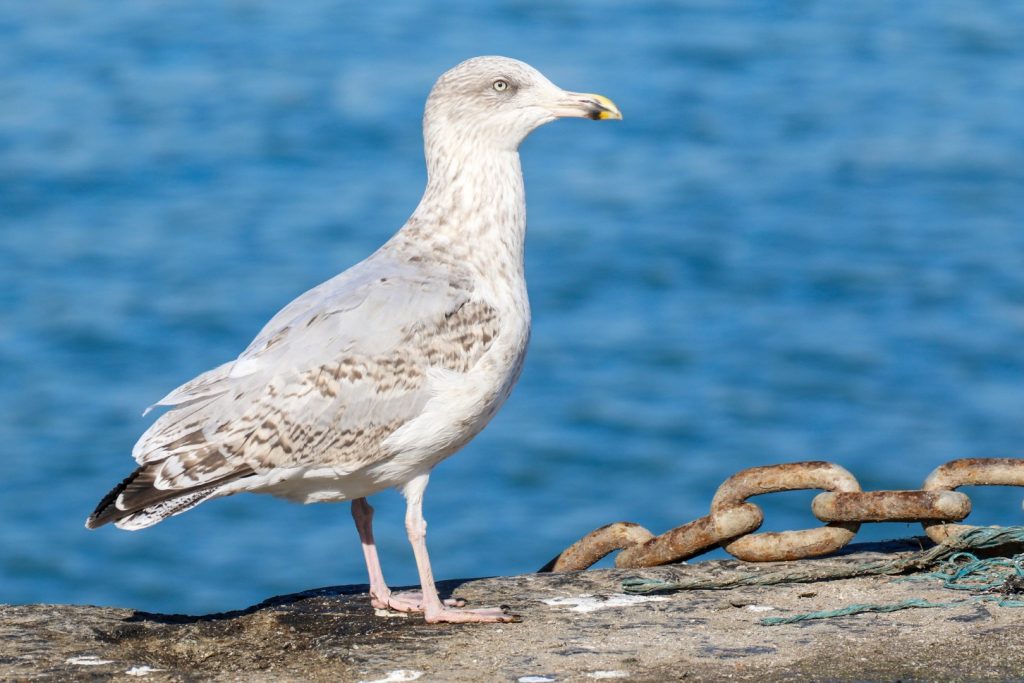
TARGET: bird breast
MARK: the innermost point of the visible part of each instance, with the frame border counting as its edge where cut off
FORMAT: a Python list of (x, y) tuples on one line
[(461, 405)]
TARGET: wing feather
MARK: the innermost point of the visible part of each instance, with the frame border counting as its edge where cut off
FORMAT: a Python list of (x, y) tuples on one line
[(326, 381), (207, 385)]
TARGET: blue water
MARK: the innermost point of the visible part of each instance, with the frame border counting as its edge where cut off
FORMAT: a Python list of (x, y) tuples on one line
[(806, 240)]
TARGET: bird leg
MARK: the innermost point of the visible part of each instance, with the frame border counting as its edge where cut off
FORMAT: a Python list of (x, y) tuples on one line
[(435, 611), (381, 596)]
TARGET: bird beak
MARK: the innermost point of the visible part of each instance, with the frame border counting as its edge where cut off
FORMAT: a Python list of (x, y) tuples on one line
[(586, 105)]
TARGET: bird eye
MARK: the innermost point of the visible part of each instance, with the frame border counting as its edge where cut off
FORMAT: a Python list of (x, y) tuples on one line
[(500, 85)]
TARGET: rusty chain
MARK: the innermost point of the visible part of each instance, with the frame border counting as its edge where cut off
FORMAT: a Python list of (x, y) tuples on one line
[(843, 506)]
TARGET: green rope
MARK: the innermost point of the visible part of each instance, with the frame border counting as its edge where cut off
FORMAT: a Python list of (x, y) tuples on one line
[(957, 568), (856, 609), (966, 572), (892, 607)]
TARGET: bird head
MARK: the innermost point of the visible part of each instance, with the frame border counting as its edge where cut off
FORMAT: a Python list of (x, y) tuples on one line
[(498, 101)]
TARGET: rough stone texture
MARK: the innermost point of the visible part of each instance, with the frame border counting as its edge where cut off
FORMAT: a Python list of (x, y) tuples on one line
[(333, 635)]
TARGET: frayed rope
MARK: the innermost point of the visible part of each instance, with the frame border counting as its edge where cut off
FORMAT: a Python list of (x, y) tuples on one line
[(956, 567)]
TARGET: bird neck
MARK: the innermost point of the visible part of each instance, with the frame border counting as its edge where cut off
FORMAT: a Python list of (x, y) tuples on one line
[(474, 207)]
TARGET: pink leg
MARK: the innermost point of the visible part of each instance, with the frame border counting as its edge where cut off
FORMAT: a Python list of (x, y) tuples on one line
[(381, 596), (434, 610)]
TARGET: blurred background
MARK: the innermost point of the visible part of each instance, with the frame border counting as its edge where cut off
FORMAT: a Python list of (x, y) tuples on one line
[(805, 241)]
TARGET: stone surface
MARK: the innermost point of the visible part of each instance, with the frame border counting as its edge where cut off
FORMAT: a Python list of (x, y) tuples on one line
[(575, 627)]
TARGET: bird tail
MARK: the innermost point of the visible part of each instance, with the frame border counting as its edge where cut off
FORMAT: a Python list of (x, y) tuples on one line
[(136, 503)]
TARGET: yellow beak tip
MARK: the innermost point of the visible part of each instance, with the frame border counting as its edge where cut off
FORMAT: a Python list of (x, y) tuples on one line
[(608, 109)]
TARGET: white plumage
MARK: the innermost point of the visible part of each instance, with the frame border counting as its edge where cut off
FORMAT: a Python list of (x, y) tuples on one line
[(369, 380)]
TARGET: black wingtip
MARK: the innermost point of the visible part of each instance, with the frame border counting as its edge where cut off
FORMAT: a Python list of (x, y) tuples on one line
[(107, 510)]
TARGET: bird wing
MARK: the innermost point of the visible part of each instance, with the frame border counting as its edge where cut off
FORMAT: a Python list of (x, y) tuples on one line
[(326, 380)]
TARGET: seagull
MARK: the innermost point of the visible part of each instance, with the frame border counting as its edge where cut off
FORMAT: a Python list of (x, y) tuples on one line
[(370, 379)]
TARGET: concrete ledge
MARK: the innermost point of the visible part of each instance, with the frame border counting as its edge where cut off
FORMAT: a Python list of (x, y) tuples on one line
[(333, 635)]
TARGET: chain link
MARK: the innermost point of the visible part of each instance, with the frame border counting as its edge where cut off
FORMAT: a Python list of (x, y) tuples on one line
[(786, 545), (891, 506), (969, 472), (695, 538), (843, 507)]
